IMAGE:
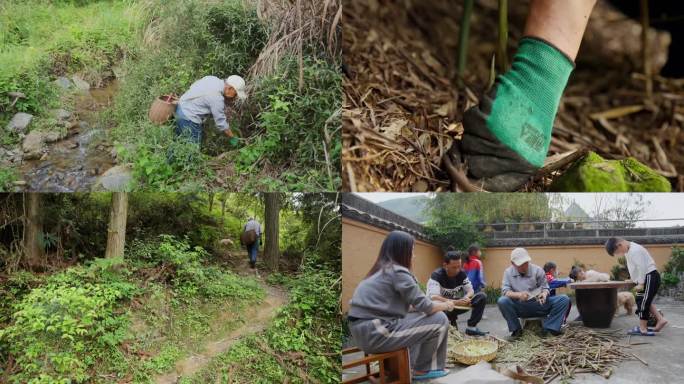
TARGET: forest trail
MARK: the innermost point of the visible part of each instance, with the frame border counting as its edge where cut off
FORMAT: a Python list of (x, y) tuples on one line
[(257, 319)]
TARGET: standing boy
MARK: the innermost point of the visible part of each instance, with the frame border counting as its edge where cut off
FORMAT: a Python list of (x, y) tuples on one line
[(473, 268), (642, 271)]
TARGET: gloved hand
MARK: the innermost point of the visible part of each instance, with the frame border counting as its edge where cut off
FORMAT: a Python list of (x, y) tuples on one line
[(506, 137), (234, 141)]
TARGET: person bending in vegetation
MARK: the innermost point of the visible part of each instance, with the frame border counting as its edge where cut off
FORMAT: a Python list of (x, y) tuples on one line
[(388, 311), (525, 293), (642, 271), (507, 136), (208, 97), (450, 283)]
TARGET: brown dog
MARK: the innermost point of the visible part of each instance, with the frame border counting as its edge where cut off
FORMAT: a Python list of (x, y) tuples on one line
[(625, 299)]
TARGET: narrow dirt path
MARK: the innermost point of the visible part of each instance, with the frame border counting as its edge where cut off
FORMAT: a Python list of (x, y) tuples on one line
[(258, 319)]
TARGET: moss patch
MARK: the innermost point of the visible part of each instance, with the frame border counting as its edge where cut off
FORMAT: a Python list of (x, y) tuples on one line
[(596, 174)]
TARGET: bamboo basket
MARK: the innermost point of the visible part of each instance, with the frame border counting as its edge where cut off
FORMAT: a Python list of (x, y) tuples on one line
[(162, 109), (461, 354)]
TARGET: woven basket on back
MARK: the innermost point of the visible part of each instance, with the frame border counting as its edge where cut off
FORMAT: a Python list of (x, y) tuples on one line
[(462, 355), (162, 109)]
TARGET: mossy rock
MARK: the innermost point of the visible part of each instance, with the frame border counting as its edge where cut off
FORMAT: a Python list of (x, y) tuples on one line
[(596, 174)]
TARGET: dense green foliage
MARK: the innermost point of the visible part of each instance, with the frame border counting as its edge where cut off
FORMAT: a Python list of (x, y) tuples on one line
[(673, 267), (75, 322), (457, 232), (186, 41), (457, 219), (43, 39), (64, 327), (296, 124), (80, 221), (283, 127), (302, 345), (108, 320), (490, 208)]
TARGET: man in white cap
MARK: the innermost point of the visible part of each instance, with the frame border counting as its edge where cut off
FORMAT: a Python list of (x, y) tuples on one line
[(525, 293), (208, 96)]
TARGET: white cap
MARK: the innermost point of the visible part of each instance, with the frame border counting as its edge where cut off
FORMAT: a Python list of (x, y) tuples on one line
[(238, 83), (519, 256)]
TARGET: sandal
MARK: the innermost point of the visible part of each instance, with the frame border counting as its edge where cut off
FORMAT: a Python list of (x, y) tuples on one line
[(431, 375), (637, 332)]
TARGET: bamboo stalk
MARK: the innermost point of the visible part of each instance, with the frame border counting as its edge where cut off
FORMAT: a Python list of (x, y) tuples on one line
[(501, 56), (464, 31), (646, 48)]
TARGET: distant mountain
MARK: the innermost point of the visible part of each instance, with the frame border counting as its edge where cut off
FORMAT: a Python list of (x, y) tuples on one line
[(413, 208)]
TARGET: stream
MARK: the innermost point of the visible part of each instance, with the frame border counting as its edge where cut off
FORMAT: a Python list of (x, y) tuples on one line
[(74, 163)]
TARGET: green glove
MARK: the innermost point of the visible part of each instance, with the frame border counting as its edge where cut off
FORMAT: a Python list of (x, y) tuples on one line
[(234, 141), (506, 137)]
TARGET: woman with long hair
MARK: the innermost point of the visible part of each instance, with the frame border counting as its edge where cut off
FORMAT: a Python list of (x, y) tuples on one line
[(389, 311)]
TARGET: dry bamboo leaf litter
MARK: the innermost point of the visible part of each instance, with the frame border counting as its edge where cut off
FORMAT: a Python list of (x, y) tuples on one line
[(399, 65), (577, 350)]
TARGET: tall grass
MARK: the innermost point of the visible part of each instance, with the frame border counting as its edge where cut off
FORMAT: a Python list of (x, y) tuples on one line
[(43, 39)]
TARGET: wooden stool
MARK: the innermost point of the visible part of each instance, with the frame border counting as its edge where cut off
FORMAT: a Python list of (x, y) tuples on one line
[(394, 367), (531, 320)]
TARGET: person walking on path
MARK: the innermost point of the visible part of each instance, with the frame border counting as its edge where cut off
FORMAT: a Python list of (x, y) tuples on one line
[(251, 238)]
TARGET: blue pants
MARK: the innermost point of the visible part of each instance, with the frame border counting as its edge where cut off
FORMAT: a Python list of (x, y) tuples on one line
[(186, 128), (553, 311), (252, 251)]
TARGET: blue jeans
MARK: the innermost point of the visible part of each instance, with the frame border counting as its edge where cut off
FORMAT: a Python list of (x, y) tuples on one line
[(553, 311), (186, 128), (252, 250)]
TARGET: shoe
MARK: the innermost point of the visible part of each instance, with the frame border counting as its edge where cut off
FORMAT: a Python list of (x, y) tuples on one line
[(552, 332), (475, 332), (637, 331), (431, 375), (515, 335)]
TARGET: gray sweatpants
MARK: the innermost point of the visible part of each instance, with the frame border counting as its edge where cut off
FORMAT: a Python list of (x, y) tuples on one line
[(424, 335)]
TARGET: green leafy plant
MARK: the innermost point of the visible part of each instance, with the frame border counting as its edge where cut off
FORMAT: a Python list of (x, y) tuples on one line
[(492, 293), (60, 330), (7, 177), (462, 232), (670, 279), (676, 262), (294, 121)]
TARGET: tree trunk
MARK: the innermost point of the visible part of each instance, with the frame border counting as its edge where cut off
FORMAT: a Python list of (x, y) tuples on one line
[(224, 199), (33, 230), (211, 202), (272, 218), (116, 234)]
